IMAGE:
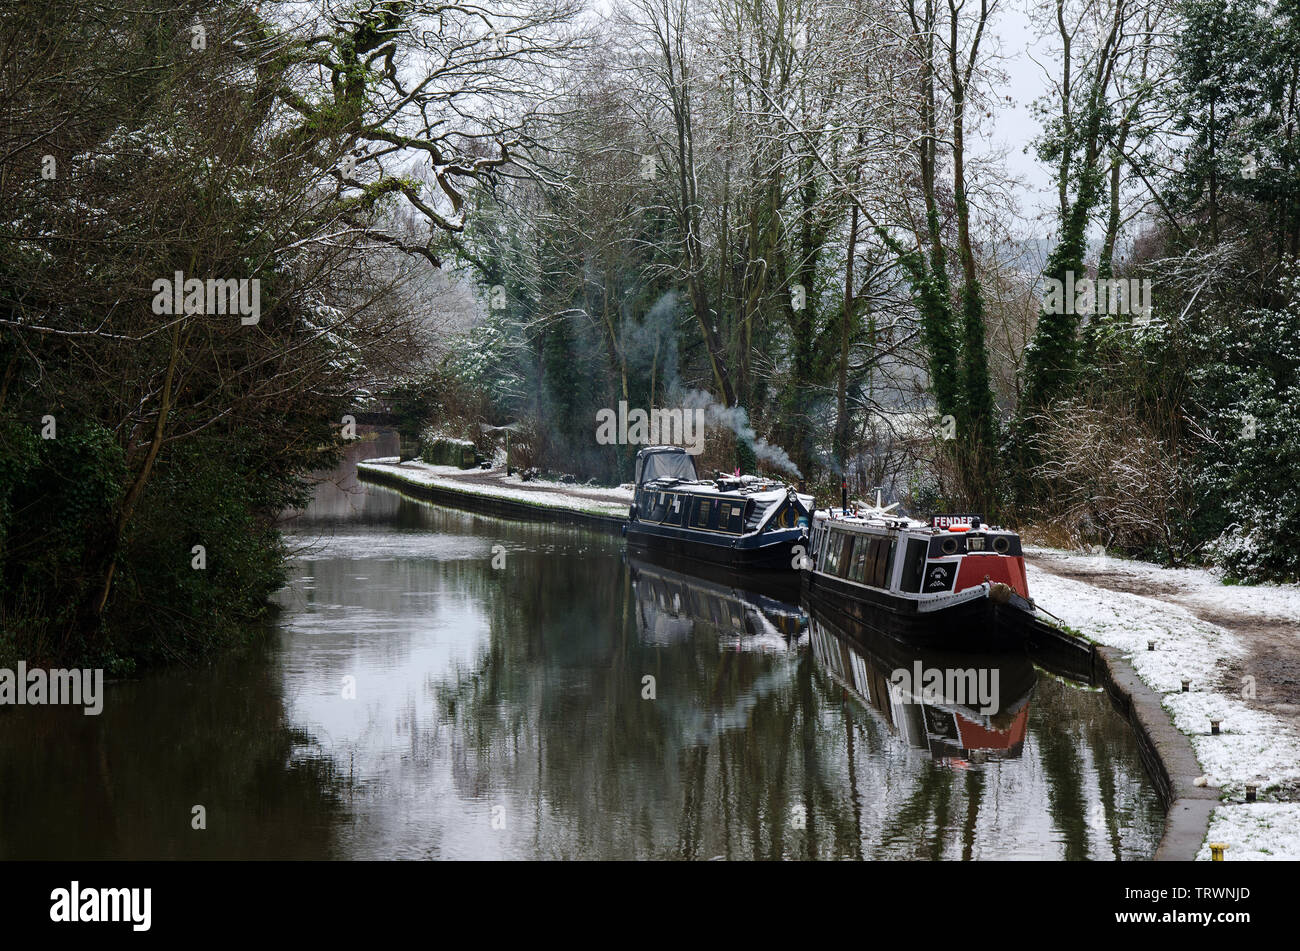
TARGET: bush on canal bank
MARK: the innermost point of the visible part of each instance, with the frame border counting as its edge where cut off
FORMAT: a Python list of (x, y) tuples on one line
[(438, 450), (170, 601)]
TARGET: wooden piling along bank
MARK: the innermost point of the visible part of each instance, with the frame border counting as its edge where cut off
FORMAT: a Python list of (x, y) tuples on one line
[(1166, 753)]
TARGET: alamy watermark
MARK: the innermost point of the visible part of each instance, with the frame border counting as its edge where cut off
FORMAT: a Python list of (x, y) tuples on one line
[(37, 687), (181, 295), (1088, 297), (77, 903), (658, 427), (968, 687)]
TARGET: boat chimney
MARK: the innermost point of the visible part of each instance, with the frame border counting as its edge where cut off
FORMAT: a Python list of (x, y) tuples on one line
[(844, 495)]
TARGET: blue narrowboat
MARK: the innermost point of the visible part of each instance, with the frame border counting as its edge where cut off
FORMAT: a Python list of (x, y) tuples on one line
[(742, 522)]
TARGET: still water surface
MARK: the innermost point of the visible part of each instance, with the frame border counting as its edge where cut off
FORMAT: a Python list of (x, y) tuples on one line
[(503, 712)]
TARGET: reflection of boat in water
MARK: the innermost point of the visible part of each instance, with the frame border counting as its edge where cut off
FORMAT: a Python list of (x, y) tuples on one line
[(684, 613), (962, 707), (672, 606)]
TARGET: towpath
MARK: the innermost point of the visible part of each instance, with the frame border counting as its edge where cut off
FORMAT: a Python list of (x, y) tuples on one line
[(1239, 645)]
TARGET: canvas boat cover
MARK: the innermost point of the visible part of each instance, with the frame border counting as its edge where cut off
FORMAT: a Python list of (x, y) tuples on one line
[(667, 462)]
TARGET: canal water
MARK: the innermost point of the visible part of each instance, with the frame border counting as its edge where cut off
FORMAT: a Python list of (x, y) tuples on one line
[(441, 685)]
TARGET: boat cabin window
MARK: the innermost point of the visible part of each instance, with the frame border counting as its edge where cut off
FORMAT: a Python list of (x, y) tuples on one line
[(834, 541), (844, 553), (861, 550), (870, 549), (864, 558), (674, 513), (914, 565), (702, 509), (882, 561), (660, 507), (845, 560), (834, 544)]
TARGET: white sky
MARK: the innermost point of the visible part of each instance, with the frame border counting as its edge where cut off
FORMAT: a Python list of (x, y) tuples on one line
[(1014, 128)]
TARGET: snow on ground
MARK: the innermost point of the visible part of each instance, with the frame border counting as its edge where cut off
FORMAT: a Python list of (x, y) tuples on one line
[(1185, 646), (1199, 587), (1257, 831), (620, 495), (450, 477), (1253, 745)]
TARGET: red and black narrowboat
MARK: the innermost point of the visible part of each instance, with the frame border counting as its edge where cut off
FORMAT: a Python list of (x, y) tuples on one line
[(952, 581)]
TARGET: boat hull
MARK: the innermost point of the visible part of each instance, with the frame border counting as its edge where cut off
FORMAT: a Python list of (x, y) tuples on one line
[(975, 622), (768, 551), (779, 585)]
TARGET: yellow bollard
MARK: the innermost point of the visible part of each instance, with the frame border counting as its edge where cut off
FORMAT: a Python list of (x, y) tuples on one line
[(1216, 851)]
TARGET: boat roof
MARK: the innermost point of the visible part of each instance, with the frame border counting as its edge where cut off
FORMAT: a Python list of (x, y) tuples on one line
[(891, 521), (888, 521), (761, 490), (648, 450)]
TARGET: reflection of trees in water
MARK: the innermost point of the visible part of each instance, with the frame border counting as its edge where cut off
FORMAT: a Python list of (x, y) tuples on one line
[(549, 721), (122, 785), (337, 495), (1083, 761), (1087, 777), (553, 713)]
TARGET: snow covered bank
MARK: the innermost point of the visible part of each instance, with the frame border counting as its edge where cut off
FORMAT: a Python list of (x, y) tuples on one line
[(587, 499), (1254, 745), (1194, 587), (1259, 831)]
